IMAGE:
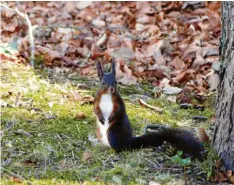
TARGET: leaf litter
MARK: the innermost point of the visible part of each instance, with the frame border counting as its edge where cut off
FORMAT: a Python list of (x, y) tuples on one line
[(179, 36)]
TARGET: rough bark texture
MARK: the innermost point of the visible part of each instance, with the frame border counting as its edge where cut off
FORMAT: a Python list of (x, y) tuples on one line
[(223, 139)]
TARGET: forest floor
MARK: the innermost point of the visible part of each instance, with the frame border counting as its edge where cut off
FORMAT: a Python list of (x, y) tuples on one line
[(166, 54), (48, 131)]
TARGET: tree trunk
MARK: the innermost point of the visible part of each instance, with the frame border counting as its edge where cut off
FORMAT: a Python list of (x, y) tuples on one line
[(223, 138)]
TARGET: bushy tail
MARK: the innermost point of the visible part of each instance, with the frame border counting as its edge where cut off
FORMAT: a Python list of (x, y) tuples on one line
[(181, 139)]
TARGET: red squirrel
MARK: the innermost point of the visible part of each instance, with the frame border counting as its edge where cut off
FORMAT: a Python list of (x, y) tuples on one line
[(114, 128)]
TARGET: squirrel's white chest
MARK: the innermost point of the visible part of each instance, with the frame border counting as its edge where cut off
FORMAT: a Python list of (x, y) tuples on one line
[(106, 106)]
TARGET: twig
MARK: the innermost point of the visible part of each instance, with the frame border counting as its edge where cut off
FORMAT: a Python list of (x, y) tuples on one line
[(155, 164), (153, 169), (30, 31), (144, 104)]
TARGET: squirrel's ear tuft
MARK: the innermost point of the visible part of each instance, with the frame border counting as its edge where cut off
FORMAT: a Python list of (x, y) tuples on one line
[(113, 67), (100, 71)]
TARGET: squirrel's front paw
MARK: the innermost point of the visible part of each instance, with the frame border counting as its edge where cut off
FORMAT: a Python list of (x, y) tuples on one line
[(112, 117), (101, 119)]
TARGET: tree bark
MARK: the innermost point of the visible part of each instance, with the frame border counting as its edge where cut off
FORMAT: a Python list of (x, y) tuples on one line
[(223, 138)]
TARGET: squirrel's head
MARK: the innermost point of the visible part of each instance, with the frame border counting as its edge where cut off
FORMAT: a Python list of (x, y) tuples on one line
[(107, 80)]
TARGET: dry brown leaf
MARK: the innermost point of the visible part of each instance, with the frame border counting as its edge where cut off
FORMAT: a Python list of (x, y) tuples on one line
[(141, 27), (80, 115), (10, 26), (202, 135), (6, 57), (214, 6), (102, 40), (16, 180), (153, 29), (86, 156), (144, 19), (61, 48), (184, 77), (83, 4), (125, 77), (51, 53), (8, 13), (123, 53), (98, 23), (87, 99), (70, 7), (177, 63), (144, 8), (87, 14), (29, 162)]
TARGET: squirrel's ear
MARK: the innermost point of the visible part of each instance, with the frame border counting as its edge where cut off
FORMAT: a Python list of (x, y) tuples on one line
[(113, 67), (100, 71)]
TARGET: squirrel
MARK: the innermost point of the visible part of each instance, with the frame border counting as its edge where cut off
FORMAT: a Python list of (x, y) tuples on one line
[(114, 128)]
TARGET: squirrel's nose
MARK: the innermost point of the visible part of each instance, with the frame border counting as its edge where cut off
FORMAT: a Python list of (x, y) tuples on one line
[(111, 89)]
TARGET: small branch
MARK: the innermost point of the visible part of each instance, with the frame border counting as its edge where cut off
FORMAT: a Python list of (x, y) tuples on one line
[(171, 169), (144, 104), (156, 165), (30, 31)]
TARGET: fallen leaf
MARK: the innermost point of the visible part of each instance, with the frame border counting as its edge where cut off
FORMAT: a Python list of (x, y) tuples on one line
[(98, 23), (202, 135), (80, 115), (177, 63), (123, 53), (210, 52), (29, 162), (86, 156), (61, 48), (144, 8), (83, 4), (70, 7), (87, 99), (127, 77), (16, 180), (141, 27), (102, 40), (10, 26), (183, 77), (171, 90), (8, 13), (51, 53)]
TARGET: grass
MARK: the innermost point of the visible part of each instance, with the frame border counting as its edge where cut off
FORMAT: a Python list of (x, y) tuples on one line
[(45, 142)]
